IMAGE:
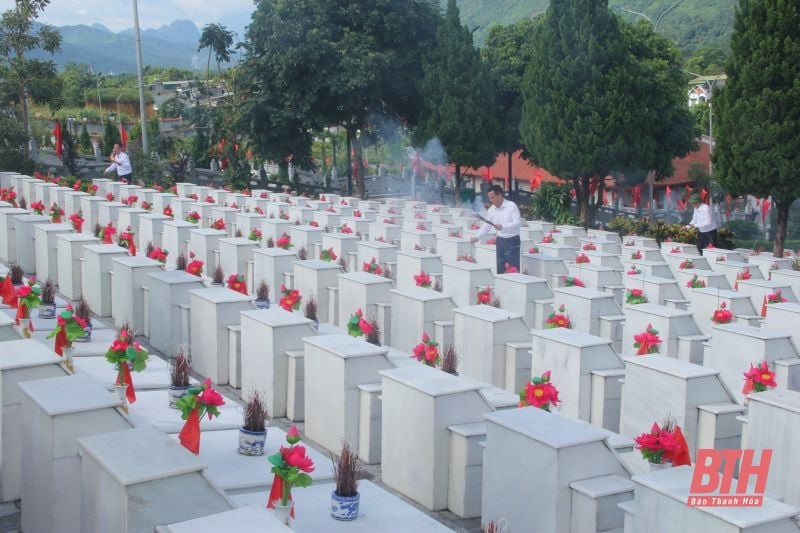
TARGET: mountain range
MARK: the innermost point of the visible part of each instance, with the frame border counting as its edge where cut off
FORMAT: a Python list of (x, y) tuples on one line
[(692, 25)]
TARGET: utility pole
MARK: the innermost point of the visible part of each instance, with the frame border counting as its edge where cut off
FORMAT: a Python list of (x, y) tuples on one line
[(142, 108)]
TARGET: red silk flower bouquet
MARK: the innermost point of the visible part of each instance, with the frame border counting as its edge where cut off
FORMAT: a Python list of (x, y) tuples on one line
[(582, 259), (686, 264), (255, 235), (647, 342), (589, 246), (484, 296), (572, 281), (696, 283), (195, 268), (664, 444), (237, 283), (539, 392), (758, 378), (291, 467), (426, 351), (38, 207), (126, 241), (290, 300), (196, 403), (722, 315), (159, 255), (373, 267), (126, 355), (69, 327), (56, 213), (284, 242), (193, 217), (76, 219), (558, 319), (422, 279), (218, 224), (635, 296), (168, 212), (328, 255), (358, 325)]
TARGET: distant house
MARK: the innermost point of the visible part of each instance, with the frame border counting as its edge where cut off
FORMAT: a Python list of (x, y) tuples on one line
[(700, 88), (192, 91)]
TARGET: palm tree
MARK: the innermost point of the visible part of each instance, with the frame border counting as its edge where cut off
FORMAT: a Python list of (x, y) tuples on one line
[(218, 40)]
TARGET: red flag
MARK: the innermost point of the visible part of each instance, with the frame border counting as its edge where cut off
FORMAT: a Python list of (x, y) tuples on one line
[(637, 196), (605, 198), (61, 342), (8, 292), (679, 457), (22, 312), (704, 195), (57, 135), (593, 183), (764, 210), (130, 392), (123, 135), (487, 174), (669, 191), (764, 308), (190, 434), (276, 493)]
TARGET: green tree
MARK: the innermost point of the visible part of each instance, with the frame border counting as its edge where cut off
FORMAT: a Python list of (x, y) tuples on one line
[(76, 82), (85, 141), (22, 76), (13, 141), (458, 98), (758, 131), (111, 136), (553, 202), (313, 64), (508, 51), (218, 40), (602, 97)]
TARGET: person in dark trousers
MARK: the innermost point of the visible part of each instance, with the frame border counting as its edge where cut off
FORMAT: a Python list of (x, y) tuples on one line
[(703, 220), (504, 217)]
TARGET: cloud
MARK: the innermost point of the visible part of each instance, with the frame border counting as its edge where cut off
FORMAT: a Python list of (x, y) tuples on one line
[(118, 14)]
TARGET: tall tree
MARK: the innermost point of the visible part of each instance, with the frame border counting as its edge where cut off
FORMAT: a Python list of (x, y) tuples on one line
[(507, 51), (758, 111), (458, 98), (602, 97), (218, 40), (311, 64), (19, 35)]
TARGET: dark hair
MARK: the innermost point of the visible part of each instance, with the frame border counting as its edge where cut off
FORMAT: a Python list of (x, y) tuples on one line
[(497, 189)]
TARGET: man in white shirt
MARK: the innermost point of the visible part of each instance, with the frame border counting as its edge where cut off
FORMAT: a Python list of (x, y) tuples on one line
[(504, 217), (703, 220), (121, 163)]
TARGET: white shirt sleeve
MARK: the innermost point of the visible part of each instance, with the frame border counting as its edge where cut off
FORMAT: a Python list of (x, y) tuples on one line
[(701, 218), (485, 227)]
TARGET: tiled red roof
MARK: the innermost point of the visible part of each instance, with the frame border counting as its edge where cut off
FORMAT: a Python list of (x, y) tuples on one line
[(522, 170)]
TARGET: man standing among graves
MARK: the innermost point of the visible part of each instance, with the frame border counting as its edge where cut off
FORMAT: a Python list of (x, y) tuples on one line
[(504, 217), (121, 163), (703, 220)]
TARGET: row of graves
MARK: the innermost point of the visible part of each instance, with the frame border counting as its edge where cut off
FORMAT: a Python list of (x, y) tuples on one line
[(572, 396)]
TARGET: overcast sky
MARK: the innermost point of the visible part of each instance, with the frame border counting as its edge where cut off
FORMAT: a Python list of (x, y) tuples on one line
[(118, 14)]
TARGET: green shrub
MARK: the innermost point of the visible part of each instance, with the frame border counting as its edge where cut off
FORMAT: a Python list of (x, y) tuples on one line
[(661, 231), (745, 229)]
